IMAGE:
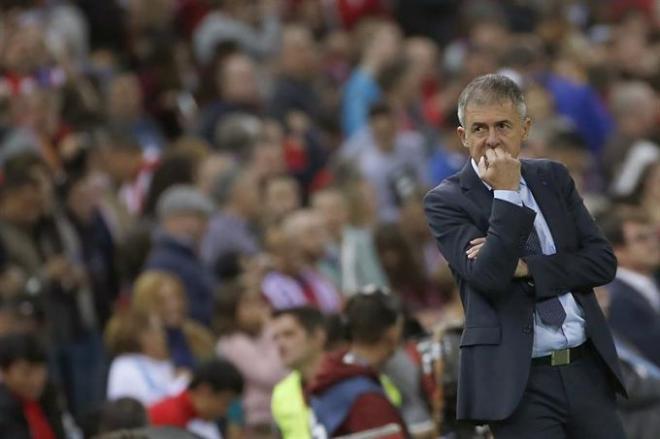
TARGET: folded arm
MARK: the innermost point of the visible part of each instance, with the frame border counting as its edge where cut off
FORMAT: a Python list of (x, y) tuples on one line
[(509, 226), (591, 265)]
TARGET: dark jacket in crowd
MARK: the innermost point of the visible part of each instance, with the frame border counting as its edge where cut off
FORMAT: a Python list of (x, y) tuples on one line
[(181, 259), (640, 413), (633, 318), (14, 423)]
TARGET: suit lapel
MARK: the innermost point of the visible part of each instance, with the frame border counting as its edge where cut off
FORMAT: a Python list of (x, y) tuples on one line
[(475, 190), (547, 200)]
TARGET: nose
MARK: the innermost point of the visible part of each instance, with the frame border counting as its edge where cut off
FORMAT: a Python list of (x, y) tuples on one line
[(492, 141)]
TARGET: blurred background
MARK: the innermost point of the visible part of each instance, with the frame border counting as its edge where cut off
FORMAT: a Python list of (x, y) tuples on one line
[(172, 171)]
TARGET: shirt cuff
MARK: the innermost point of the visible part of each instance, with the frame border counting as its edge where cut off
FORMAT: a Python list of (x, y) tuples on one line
[(512, 197)]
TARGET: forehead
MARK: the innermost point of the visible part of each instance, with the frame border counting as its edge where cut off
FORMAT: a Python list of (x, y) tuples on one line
[(477, 112), (287, 322), (24, 366), (636, 225)]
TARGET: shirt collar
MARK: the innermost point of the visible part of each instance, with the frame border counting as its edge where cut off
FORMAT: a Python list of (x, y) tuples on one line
[(476, 171)]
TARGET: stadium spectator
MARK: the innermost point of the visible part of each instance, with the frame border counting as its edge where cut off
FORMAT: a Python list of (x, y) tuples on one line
[(392, 161), (231, 228), (379, 44), (183, 213), (141, 368), (163, 295), (214, 385), (635, 296), (297, 248), (346, 395), (247, 342), (29, 405), (300, 336)]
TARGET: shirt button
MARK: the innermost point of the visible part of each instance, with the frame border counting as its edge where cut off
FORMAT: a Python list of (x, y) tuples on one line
[(527, 329)]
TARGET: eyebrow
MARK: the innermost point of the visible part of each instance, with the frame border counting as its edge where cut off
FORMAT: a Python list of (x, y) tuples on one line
[(478, 124)]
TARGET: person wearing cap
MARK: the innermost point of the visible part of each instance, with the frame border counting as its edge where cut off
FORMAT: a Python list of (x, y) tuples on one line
[(183, 213)]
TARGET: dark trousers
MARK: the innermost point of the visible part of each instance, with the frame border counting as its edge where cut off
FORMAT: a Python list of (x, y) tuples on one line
[(574, 401)]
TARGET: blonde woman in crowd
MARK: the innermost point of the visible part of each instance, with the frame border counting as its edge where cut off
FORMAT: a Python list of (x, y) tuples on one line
[(162, 294), (141, 367)]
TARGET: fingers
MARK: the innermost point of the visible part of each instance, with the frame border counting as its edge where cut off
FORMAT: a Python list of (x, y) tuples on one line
[(482, 167), (473, 252), (491, 156), (501, 153), (476, 245)]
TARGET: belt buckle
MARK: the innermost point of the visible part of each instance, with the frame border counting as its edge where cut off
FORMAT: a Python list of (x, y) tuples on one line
[(560, 358)]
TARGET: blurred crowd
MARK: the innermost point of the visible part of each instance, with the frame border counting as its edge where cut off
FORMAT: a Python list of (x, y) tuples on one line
[(198, 198)]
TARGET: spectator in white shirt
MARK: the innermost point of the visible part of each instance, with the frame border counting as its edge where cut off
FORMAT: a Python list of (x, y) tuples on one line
[(141, 367)]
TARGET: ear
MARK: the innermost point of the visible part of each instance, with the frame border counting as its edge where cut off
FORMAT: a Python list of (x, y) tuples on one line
[(461, 135), (527, 124)]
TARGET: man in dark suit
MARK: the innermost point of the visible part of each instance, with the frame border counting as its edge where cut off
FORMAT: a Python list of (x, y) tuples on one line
[(640, 413), (635, 295), (537, 359)]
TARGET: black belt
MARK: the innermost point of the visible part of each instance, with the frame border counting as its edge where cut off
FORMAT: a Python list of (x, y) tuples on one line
[(562, 357)]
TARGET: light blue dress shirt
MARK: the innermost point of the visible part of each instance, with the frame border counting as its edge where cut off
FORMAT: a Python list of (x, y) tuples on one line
[(547, 338)]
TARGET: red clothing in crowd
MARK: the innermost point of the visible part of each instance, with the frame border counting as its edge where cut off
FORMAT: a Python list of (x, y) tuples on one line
[(37, 421), (176, 411), (370, 410)]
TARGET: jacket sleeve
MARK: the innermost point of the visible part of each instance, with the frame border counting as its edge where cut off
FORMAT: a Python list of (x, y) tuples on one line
[(591, 265), (492, 272)]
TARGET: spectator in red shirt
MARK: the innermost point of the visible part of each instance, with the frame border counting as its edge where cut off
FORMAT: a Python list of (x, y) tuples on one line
[(215, 384), (28, 407)]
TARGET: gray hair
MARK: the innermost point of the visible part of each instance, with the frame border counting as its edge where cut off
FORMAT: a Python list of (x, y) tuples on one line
[(491, 88)]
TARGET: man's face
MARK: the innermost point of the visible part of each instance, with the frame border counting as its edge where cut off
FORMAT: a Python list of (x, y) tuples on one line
[(493, 125), (238, 81), (282, 197), (212, 405), (313, 238), (122, 165), (23, 205), (392, 339), (642, 249), (125, 98), (247, 196), (293, 343), (26, 379), (332, 207), (383, 128)]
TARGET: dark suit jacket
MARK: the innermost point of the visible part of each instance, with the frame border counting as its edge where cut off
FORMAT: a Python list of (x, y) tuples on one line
[(640, 413), (14, 424), (496, 345), (634, 319), (173, 256)]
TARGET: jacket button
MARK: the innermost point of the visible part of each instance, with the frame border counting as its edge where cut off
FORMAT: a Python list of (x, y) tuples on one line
[(527, 329), (530, 283)]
